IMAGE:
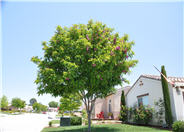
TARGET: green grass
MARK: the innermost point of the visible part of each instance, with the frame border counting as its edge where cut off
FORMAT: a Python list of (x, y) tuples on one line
[(55, 121), (104, 128)]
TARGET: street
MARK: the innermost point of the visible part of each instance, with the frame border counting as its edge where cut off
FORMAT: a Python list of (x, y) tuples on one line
[(28, 122)]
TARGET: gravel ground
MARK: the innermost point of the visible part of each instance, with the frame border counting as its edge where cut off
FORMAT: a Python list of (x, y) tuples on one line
[(28, 122)]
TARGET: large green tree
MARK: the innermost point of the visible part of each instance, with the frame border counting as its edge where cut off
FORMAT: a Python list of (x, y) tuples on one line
[(3, 102), (32, 101), (165, 89), (69, 103), (18, 103), (53, 104), (85, 59)]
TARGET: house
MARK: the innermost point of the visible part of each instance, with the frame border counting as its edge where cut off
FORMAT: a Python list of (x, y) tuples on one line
[(51, 109), (109, 104), (148, 89), (28, 108)]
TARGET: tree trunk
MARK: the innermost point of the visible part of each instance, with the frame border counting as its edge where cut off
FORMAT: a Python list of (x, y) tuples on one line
[(89, 121)]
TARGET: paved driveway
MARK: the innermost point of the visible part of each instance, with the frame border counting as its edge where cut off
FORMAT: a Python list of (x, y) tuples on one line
[(23, 123)]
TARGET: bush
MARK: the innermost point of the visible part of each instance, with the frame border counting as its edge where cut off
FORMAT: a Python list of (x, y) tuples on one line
[(142, 115), (124, 114), (178, 126), (50, 123), (100, 115), (76, 120), (159, 114), (85, 117)]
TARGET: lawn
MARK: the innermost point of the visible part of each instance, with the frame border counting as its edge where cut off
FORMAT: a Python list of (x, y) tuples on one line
[(105, 128)]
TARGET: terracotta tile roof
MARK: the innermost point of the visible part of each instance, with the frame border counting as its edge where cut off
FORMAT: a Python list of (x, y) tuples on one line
[(173, 79)]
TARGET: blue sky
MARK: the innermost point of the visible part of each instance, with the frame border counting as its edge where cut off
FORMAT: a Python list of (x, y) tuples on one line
[(156, 29)]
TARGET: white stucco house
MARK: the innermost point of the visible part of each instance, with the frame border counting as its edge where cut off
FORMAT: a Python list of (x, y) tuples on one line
[(148, 89)]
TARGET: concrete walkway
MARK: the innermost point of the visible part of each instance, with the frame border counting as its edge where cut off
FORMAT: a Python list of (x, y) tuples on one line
[(23, 123)]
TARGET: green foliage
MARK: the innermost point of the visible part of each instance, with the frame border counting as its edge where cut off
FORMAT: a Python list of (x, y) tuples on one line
[(124, 114), (123, 98), (178, 126), (76, 120), (18, 103), (124, 109), (142, 114), (32, 101), (160, 113), (80, 57), (84, 117), (43, 108), (50, 123), (69, 103), (55, 121), (53, 104), (88, 60), (3, 102), (38, 107), (168, 112)]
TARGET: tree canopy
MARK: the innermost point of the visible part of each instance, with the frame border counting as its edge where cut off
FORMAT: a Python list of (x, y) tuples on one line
[(70, 103), (38, 107), (18, 103), (3, 102), (32, 101), (53, 104), (87, 59)]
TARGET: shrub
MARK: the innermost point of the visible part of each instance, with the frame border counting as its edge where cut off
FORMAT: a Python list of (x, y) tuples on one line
[(178, 126), (84, 117), (76, 120), (110, 114), (100, 115), (159, 114), (50, 123), (124, 114), (142, 115)]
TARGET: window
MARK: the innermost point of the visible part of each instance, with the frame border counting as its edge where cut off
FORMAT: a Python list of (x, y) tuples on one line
[(110, 106), (142, 99)]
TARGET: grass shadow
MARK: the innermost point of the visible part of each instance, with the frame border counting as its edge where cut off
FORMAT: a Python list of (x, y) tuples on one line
[(101, 129)]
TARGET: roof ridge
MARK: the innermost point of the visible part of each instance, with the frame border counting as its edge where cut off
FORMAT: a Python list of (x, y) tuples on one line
[(159, 75), (173, 79)]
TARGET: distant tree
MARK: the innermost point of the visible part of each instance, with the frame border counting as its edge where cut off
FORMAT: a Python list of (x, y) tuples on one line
[(44, 108), (53, 104), (38, 107), (32, 101), (165, 89), (84, 59), (18, 103), (3, 102), (69, 103)]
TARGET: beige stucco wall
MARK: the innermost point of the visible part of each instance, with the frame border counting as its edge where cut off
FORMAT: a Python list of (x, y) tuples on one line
[(103, 105)]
